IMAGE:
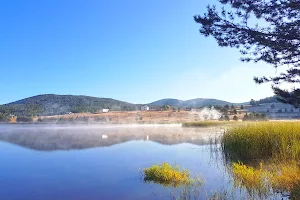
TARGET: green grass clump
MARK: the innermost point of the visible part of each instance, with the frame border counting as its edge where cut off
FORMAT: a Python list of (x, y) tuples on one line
[(206, 123), (167, 175), (263, 140)]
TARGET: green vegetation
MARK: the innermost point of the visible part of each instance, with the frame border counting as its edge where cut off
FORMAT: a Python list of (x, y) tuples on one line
[(254, 180), (263, 140), (261, 180), (224, 118), (254, 117), (254, 103), (209, 123), (206, 123), (277, 145), (51, 104), (167, 175), (3, 117), (166, 107), (188, 104), (273, 38), (19, 110)]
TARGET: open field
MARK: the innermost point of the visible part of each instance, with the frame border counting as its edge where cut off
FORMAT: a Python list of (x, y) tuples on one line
[(129, 117)]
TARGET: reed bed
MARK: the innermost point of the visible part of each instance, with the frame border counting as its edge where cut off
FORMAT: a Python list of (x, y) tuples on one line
[(263, 140), (208, 123), (265, 179), (275, 146)]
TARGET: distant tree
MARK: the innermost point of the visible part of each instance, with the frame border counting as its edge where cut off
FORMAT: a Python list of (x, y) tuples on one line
[(221, 118), (254, 117), (292, 110), (280, 110), (285, 110), (226, 106), (224, 110), (252, 102), (268, 110), (3, 117), (246, 117), (217, 107), (166, 107), (234, 111), (242, 107), (235, 118), (274, 37), (226, 118), (273, 106), (232, 106)]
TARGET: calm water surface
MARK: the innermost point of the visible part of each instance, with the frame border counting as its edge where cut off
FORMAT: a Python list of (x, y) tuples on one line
[(104, 162)]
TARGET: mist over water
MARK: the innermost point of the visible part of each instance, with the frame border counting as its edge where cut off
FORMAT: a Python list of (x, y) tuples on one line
[(95, 161)]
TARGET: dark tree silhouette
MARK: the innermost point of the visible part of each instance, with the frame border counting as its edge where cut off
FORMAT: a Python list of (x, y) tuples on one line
[(275, 39)]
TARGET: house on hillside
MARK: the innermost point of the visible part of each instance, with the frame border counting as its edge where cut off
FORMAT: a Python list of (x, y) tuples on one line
[(145, 107), (104, 110)]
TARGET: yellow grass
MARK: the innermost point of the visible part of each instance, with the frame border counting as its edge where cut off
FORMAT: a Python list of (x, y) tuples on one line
[(282, 177), (207, 123), (167, 175), (263, 140)]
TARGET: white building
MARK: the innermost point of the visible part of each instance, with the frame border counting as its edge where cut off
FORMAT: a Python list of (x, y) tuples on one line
[(145, 107), (104, 110)]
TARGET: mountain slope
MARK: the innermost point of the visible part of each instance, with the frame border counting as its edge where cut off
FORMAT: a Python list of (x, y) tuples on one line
[(51, 104), (163, 102), (193, 103)]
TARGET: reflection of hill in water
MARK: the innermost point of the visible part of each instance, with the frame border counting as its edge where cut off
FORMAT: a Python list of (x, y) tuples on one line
[(66, 138)]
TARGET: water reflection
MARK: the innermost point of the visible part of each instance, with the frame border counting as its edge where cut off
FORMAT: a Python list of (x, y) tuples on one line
[(49, 138)]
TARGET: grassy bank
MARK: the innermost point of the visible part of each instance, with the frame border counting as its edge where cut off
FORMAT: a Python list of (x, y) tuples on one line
[(207, 123), (263, 140), (272, 153)]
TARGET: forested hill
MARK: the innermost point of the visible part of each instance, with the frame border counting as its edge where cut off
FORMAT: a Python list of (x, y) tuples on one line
[(50, 104), (193, 103), (272, 99)]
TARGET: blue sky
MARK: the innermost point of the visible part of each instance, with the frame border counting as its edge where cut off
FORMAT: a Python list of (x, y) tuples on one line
[(135, 51)]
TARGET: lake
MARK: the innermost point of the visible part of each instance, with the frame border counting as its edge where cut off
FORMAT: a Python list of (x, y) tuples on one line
[(106, 162)]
